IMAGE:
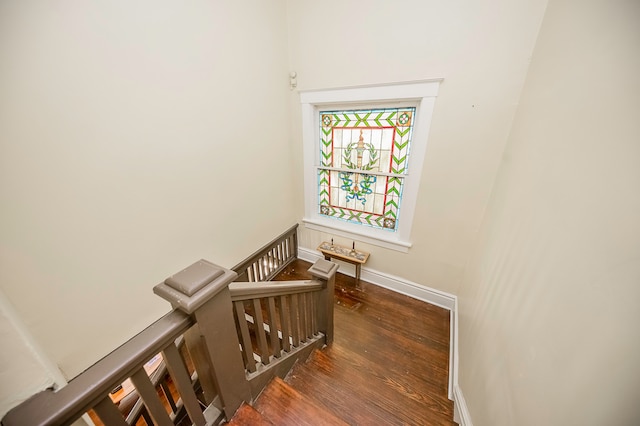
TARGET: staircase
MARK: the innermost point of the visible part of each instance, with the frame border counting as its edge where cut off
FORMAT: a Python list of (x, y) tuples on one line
[(312, 347), (282, 404), (387, 365)]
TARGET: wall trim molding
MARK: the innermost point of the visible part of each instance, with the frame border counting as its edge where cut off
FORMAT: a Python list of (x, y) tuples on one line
[(461, 413), (388, 281)]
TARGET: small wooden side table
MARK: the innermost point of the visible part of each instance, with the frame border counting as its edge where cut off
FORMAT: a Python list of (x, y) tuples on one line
[(356, 257)]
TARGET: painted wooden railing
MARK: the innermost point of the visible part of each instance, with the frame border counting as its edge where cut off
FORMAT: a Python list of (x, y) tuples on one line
[(236, 337), (91, 389), (271, 259), (280, 323)]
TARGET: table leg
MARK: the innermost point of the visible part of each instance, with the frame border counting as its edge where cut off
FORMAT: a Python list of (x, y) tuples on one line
[(358, 266)]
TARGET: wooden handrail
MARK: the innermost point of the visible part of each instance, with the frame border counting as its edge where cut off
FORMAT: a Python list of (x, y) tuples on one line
[(248, 291), (90, 387)]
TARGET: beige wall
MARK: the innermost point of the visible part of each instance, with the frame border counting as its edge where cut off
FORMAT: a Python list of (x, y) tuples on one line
[(135, 138), (35, 372), (482, 51), (549, 311)]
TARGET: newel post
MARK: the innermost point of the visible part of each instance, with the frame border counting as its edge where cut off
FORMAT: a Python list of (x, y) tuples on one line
[(202, 290), (325, 271)]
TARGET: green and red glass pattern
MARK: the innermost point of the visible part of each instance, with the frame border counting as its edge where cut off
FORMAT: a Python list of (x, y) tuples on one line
[(364, 156)]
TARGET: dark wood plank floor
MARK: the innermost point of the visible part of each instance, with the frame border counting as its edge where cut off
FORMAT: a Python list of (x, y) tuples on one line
[(389, 360)]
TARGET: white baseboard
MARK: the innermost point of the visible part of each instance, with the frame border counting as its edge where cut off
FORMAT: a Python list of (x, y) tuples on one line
[(460, 411), (397, 284), (416, 291)]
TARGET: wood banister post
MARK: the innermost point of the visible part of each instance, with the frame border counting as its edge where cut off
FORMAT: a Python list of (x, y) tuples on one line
[(325, 271), (202, 290)]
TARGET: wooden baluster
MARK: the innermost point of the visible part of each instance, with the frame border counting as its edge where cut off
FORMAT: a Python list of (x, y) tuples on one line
[(260, 333), (148, 393), (303, 316), (276, 259), (314, 313), (265, 267), (182, 381), (167, 394), (198, 352), (268, 266), (109, 413), (269, 263), (309, 315), (294, 241), (273, 327), (260, 270), (293, 312), (285, 320), (256, 272), (307, 308), (147, 418), (247, 347), (316, 308), (285, 244), (280, 256)]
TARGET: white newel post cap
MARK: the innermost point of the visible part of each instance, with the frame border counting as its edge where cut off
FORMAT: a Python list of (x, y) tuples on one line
[(190, 288)]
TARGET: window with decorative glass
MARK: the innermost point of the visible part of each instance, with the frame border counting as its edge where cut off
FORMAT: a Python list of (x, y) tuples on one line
[(364, 160), (364, 149)]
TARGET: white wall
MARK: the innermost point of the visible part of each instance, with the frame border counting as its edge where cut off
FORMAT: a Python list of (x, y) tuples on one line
[(135, 139), (36, 372), (549, 311), (482, 51)]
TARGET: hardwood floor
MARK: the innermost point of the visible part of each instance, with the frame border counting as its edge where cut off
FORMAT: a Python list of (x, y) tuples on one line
[(389, 360)]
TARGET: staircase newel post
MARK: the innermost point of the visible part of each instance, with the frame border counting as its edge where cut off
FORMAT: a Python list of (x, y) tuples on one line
[(325, 271), (202, 290)]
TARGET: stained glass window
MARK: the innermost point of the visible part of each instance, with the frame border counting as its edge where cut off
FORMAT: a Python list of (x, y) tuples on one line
[(363, 164)]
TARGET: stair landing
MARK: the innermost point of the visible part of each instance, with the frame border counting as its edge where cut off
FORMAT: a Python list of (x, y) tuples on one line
[(388, 364)]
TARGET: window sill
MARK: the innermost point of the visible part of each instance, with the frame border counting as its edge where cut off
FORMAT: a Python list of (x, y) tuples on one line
[(365, 237)]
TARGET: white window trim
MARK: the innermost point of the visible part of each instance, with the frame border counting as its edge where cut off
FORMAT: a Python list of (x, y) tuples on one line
[(422, 94)]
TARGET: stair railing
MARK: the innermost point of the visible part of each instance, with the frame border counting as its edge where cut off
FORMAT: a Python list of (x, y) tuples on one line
[(91, 389), (271, 259), (237, 336), (282, 322), (228, 314)]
